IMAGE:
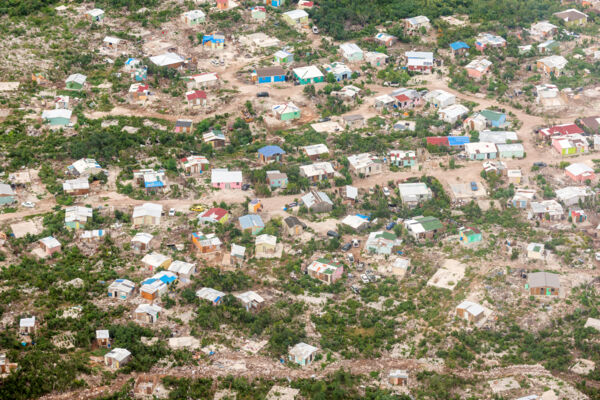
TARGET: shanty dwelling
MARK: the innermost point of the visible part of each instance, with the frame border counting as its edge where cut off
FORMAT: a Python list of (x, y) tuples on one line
[(572, 195), (250, 300), (121, 289), (283, 57), (169, 60), (111, 42), (211, 295), (476, 69), (76, 187), (103, 338), (349, 194), (95, 15), (317, 201), (354, 121), (386, 39), (149, 179), (543, 284), (27, 326), (382, 242), (90, 236), (398, 377), (49, 245), (536, 251), (265, 244), (183, 270), (183, 126), (255, 206), (497, 137), (403, 158), (252, 223), (485, 40), (117, 358), (546, 210), (419, 61), (452, 114), (237, 254), (275, 3), (469, 311), (154, 261), (292, 226), (214, 138), (376, 59), (192, 165), (193, 18), (196, 98), (7, 194), (325, 270), (277, 179), (76, 216), (214, 215), (468, 235), (147, 313), (214, 41), (414, 24), (206, 244), (202, 81), (440, 98), (222, 178), (315, 151), (302, 353), (147, 214), (158, 284), (270, 153), (459, 48), (141, 242), (75, 81), (514, 176)]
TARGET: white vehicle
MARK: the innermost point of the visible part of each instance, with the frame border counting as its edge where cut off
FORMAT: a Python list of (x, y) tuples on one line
[(172, 212), (315, 30), (598, 256), (28, 204), (364, 278), (386, 191), (351, 257)]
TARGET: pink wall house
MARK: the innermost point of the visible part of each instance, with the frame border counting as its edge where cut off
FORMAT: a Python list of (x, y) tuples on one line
[(225, 179)]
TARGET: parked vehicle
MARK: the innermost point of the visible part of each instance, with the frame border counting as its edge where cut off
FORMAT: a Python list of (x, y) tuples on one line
[(474, 186), (333, 234), (364, 278), (351, 257), (262, 94), (197, 208), (390, 226), (347, 246), (28, 204), (245, 186), (172, 212), (386, 191)]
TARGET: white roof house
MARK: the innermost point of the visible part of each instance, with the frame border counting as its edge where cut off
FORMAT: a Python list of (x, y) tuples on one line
[(481, 65), (351, 51), (50, 242), (452, 113), (182, 268), (77, 78), (472, 149), (440, 98), (497, 136), (78, 213), (355, 222), (85, 166), (142, 237), (118, 354), (579, 169), (250, 297), (27, 322), (96, 12), (150, 309), (308, 72), (266, 239), (296, 15), (472, 308), (56, 113), (167, 59), (194, 15), (414, 192), (238, 251), (155, 259), (315, 149), (302, 351), (554, 62), (76, 184), (223, 175), (102, 334), (571, 195), (210, 294), (112, 40), (148, 209), (418, 21), (361, 161), (419, 59), (542, 28), (280, 109), (313, 197), (316, 169)]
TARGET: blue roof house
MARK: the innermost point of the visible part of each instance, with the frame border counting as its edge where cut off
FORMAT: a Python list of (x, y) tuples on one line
[(459, 47), (252, 223), (271, 153), (457, 141)]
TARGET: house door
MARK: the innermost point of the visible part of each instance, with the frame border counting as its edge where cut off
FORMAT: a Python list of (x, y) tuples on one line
[(228, 186)]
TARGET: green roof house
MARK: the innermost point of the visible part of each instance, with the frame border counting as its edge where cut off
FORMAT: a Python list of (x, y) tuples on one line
[(423, 227), (494, 118)]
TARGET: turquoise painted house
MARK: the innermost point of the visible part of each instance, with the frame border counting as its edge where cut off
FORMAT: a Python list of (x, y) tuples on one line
[(469, 235), (57, 117), (7, 194), (283, 57), (277, 179), (308, 74), (402, 159)]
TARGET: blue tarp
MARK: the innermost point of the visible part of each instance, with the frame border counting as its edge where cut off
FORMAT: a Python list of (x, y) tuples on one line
[(459, 45), (457, 140), (269, 151), (153, 184)]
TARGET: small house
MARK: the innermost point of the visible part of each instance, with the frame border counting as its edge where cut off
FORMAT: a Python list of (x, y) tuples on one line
[(349, 194), (76, 216), (95, 15), (258, 13), (570, 145), (398, 377), (536, 251), (386, 39), (270, 153), (192, 165), (237, 254), (252, 223), (84, 167), (196, 98), (216, 139), (255, 206), (275, 3), (514, 176), (214, 41), (7, 194), (384, 102), (302, 354), (353, 121), (265, 244), (548, 46), (27, 326), (147, 214), (573, 195), (325, 270), (423, 227), (487, 40), (117, 357), (317, 201), (412, 194), (580, 172), (147, 313), (49, 245), (543, 30), (276, 179), (318, 171), (365, 164), (286, 112), (356, 222), (193, 18), (339, 71), (154, 261), (283, 57), (497, 137), (75, 82), (453, 113), (552, 65), (468, 235), (103, 338), (440, 98), (403, 158), (481, 151), (459, 48), (183, 126), (477, 68), (61, 102), (292, 226), (382, 242), (296, 17), (543, 284), (560, 130), (415, 24), (157, 285), (111, 42), (76, 187), (419, 61), (315, 151), (202, 81), (469, 311), (168, 60), (577, 215), (92, 235), (183, 270), (206, 244), (351, 52), (141, 242), (222, 178), (376, 59), (211, 295), (308, 74), (121, 289), (269, 75), (57, 117), (214, 215), (546, 210), (250, 300), (572, 17), (510, 150)]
